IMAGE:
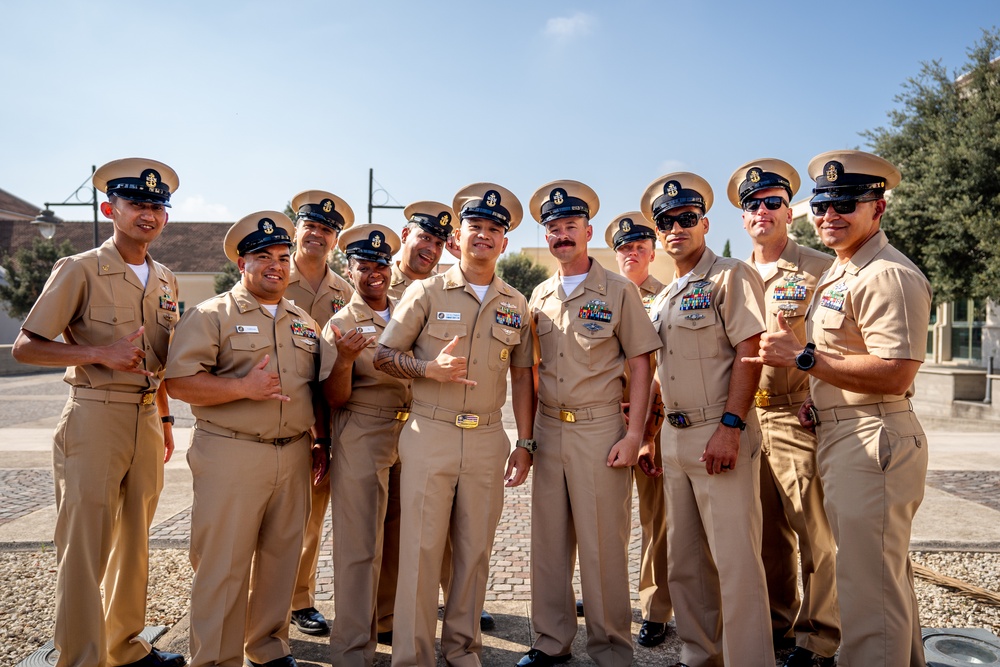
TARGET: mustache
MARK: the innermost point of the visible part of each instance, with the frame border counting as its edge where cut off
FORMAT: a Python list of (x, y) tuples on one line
[(563, 244)]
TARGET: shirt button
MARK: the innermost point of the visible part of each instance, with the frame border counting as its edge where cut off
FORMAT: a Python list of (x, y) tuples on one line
[(670, 351), (475, 361), (253, 345), (281, 345), (670, 326), (671, 377), (561, 354), (114, 319), (478, 335), (560, 379), (675, 404)]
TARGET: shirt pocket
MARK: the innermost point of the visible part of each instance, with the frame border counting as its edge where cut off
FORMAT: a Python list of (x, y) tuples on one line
[(698, 338), (592, 346), (306, 354), (248, 350), (502, 341), (121, 320), (830, 327), (444, 332)]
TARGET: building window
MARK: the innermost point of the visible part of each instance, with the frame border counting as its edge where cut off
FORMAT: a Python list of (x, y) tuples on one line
[(967, 330)]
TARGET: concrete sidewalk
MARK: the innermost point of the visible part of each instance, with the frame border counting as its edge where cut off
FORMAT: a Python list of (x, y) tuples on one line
[(961, 511)]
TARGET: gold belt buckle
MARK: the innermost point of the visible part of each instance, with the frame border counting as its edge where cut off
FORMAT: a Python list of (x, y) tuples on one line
[(402, 415), (148, 397), (467, 420), (567, 416), (762, 398)]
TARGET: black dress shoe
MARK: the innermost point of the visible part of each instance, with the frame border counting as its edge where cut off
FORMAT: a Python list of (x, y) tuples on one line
[(287, 661), (652, 634), (158, 658), (803, 657), (486, 621), (310, 621), (536, 658), (579, 608), (384, 637)]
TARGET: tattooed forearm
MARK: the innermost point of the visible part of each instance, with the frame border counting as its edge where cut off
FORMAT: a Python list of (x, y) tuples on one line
[(398, 364)]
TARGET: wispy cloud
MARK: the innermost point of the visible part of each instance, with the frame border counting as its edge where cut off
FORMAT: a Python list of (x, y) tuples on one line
[(197, 209), (671, 165), (566, 28)]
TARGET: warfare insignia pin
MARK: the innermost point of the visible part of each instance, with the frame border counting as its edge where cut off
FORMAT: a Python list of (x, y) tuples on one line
[(694, 316), (789, 307), (593, 327)]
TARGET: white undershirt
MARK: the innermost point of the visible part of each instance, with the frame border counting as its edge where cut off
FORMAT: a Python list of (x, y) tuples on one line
[(680, 283), (480, 290), (384, 314), (763, 268), (271, 308), (141, 271), (570, 283)]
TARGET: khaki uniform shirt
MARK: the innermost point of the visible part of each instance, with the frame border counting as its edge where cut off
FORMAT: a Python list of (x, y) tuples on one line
[(584, 338), (228, 335), (94, 298), (648, 291), (877, 303), (333, 294), (492, 336), (700, 323), (368, 386), (398, 283), (788, 289)]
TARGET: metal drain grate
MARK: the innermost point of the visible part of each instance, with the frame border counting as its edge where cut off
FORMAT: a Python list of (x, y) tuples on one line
[(47, 655)]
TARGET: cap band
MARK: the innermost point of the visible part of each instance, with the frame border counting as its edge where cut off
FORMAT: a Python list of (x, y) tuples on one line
[(635, 233), (477, 208), (323, 213), (569, 206), (667, 202), (434, 225), (757, 180), (146, 188), (267, 234)]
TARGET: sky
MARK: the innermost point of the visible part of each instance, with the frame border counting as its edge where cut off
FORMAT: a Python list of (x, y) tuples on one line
[(252, 102)]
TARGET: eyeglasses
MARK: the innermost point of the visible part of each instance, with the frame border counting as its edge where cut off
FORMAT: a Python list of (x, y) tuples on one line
[(686, 220), (843, 206), (772, 203)]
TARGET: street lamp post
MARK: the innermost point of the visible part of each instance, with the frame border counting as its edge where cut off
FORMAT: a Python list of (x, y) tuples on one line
[(47, 220)]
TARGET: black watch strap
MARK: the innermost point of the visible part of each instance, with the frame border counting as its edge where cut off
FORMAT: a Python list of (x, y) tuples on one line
[(169, 419)]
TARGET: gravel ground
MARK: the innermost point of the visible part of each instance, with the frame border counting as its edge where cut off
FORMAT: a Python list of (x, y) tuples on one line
[(27, 579)]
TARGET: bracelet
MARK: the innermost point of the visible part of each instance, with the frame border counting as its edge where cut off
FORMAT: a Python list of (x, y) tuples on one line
[(322, 441), (169, 419)]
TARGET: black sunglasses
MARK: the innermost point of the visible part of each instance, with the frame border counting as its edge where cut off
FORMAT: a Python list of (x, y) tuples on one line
[(843, 206), (772, 203), (686, 220)]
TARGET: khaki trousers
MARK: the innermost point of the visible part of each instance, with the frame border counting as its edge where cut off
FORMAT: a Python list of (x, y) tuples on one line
[(385, 599), (251, 501), (654, 593), (451, 487), (364, 452), (108, 472), (873, 471), (577, 500), (305, 581), (795, 524), (717, 582)]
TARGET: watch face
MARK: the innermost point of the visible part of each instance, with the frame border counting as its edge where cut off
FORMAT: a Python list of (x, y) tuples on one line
[(805, 361)]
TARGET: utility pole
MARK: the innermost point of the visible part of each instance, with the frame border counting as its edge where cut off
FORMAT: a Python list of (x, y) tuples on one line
[(371, 194)]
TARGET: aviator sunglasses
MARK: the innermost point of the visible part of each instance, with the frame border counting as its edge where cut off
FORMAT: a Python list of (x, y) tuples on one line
[(772, 203), (686, 220), (843, 206)]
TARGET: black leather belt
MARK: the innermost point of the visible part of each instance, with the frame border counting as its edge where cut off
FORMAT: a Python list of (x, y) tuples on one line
[(108, 396), (218, 430)]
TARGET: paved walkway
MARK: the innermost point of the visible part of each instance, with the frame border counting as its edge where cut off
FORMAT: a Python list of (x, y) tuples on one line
[(961, 510)]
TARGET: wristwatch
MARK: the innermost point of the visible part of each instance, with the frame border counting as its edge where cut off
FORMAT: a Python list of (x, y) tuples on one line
[(806, 359), (527, 443), (169, 419), (733, 421)]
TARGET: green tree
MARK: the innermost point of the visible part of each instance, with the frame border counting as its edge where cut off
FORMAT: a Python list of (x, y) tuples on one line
[(726, 250), (226, 278), (26, 272), (945, 140), (804, 234), (521, 272)]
